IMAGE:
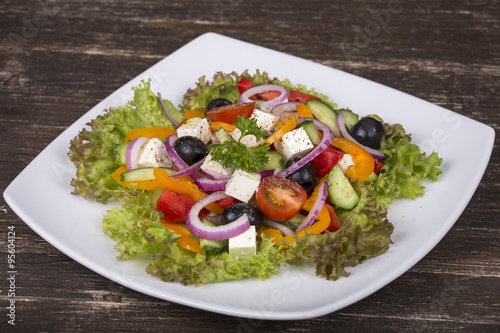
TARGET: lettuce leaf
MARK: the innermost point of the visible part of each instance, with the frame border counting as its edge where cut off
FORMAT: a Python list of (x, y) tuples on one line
[(93, 151), (404, 167)]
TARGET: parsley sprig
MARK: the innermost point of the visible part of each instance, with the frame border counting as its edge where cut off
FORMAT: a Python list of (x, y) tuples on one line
[(236, 154)]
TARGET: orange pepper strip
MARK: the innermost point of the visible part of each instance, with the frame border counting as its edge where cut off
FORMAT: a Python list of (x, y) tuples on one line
[(194, 113), (217, 124), (185, 240), (149, 132), (364, 164), (117, 175), (183, 187), (282, 127), (189, 243), (303, 111), (272, 233)]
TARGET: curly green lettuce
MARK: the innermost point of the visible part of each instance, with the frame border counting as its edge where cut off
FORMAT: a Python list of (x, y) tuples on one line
[(93, 151)]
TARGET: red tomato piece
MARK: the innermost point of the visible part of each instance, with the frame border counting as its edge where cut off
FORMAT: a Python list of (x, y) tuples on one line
[(229, 113), (334, 221), (279, 198), (175, 206), (244, 84), (325, 161), (378, 166), (301, 97), (268, 95), (226, 202)]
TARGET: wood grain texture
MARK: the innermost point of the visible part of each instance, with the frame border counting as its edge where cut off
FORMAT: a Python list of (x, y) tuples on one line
[(60, 58)]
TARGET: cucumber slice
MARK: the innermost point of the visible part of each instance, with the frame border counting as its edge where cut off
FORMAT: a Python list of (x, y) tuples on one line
[(311, 131), (121, 153), (223, 135), (142, 174), (275, 160), (210, 246), (340, 190), (350, 118), (324, 113)]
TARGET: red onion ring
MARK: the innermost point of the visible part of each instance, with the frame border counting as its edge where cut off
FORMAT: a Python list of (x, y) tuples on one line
[(167, 112), (324, 143), (211, 184), (266, 106), (266, 173), (318, 205), (285, 109), (345, 134), (189, 171), (278, 226), (169, 146), (201, 230), (132, 154)]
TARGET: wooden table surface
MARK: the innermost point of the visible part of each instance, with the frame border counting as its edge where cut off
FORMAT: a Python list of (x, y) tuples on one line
[(60, 58)]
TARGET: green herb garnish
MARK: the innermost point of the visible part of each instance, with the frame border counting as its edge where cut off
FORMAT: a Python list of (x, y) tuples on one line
[(236, 154)]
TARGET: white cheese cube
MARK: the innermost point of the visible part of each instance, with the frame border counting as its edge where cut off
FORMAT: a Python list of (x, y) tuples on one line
[(295, 143), (153, 154), (244, 245), (242, 185), (197, 127), (345, 162), (214, 167), (248, 140), (265, 120)]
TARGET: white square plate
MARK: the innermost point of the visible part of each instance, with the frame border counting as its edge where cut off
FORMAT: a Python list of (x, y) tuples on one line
[(73, 225)]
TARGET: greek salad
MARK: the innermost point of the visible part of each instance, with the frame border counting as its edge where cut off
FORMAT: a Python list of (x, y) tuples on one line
[(249, 174)]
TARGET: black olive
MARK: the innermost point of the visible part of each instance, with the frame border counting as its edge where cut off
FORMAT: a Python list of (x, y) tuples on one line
[(233, 212), (368, 131), (190, 149), (305, 176), (217, 103)]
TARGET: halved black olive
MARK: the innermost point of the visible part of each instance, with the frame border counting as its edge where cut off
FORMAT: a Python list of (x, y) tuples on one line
[(305, 176), (190, 149)]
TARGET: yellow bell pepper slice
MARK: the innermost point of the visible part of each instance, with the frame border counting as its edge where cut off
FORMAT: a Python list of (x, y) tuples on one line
[(364, 163), (282, 127), (142, 185), (194, 113), (217, 124), (304, 111), (149, 132), (185, 240)]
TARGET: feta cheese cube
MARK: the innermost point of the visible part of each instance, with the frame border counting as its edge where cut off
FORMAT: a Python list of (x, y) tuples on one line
[(295, 143), (153, 154), (248, 140), (197, 127), (242, 185), (214, 167), (345, 162), (244, 245), (265, 120)]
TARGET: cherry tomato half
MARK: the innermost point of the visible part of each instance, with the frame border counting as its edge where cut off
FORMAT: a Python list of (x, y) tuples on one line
[(229, 113), (301, 97), (325, 161), (175, 206), (226, 202), (244, 84), (280, 199)]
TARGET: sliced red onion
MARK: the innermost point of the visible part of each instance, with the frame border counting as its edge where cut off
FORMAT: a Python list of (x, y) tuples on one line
[(278, 226), (201, 230), (345, 134), (132, 153), (169, 146), (318, 205), (167, 112), (266, 106), (189, 171), (285, 109), (324, 143), (211, 184), (215, 176), (266, 173)]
